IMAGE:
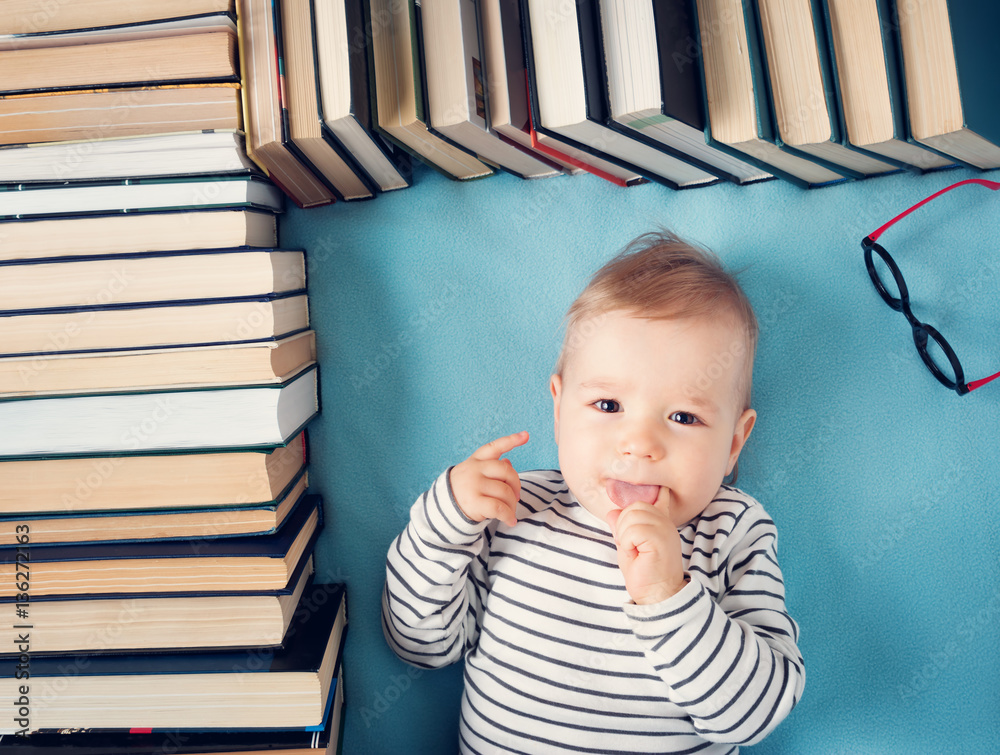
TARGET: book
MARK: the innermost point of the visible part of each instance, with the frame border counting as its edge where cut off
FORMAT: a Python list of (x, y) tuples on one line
[(503, 35), (290, 687), (263, 107), (400, 108), (297, 56), (121, 56), (564, 153), (949, 88), (220, 418), (739, 119), (506, 83), (82, 236), (150, 325), (459, 99), (653, 89), (99, 114), (179, 154), (802, 92), (88, 624), (93, 33), (562, 51), (867, 80), (38, 16), (344, 85), (155, 525), (157, 369), (193, 567), (274, 742), (128, 195), (152, 481), (152, 277), (510, 116)]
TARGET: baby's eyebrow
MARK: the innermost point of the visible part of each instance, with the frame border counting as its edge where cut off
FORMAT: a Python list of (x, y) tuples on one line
[(701, 402), (600, 385)]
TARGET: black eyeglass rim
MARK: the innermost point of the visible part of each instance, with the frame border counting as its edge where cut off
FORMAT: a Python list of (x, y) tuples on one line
[(921, 330), (897, 303)]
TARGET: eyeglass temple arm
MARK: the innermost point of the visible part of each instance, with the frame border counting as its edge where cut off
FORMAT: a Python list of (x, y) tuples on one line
[(992, 185), (981, 382)]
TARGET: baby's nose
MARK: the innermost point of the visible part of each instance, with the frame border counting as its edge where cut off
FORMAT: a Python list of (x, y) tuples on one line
[(641, 440)]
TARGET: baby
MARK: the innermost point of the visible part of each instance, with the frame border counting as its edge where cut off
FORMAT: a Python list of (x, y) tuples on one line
[(629, 602)]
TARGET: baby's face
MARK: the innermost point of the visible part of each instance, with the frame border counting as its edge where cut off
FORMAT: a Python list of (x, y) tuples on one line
[(650, 410)]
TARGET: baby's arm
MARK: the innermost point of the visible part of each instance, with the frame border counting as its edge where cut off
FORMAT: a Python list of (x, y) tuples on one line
[(435, 586), (732, 662)]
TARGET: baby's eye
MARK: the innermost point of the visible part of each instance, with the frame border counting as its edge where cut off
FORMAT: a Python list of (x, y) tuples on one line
[(684, 418), (608, 405)]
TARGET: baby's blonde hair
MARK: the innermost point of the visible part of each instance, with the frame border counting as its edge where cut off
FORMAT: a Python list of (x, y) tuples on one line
[(661, 276)]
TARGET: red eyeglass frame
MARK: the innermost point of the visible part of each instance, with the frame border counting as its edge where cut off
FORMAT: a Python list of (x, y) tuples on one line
[(901, 303)]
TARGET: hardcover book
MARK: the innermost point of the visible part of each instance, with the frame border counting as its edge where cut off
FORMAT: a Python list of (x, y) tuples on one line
[(566, 76), (950, 86), (263, 107), (328, 741), (456, 72), (264, 688), (399, 93), (82, 236), (151, 277), (868, 81), (653, 89), (506, 83), (158, 369), (345, 84), (198, 48), (112, 624), (218, 418), (297, 60), (136, 111), (195, 153), (23, 17), (151, 481), (802, 90), (139, 195), (149, 525), (739, 117), (193, 567)]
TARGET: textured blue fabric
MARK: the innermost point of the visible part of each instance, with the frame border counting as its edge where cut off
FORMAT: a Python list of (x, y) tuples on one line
[(439, 312)]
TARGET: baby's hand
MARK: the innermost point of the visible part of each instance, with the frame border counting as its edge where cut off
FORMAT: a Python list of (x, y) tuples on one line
[(486, 486), (649, 552)]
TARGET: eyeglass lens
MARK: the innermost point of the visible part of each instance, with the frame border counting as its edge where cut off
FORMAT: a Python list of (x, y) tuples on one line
[(885, 277), (933, 353)]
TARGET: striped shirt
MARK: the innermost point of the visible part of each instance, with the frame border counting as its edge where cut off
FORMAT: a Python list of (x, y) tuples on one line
[(557, 657)]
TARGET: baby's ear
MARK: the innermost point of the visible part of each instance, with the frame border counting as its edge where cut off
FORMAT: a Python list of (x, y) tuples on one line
[(555, 386), (742, 430)]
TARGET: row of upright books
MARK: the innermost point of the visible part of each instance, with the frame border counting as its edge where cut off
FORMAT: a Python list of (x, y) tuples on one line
[(683, 92), (158, 373)]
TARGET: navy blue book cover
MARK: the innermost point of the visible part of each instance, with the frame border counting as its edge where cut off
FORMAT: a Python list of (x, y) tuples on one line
[(111, 517), (268, 546), (318, 628)]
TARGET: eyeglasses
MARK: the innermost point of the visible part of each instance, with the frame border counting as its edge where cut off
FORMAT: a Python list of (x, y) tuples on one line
[(934, 350)]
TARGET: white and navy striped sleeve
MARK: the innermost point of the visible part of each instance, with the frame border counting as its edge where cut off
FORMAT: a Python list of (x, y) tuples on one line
[(725, 644), (431, 599)]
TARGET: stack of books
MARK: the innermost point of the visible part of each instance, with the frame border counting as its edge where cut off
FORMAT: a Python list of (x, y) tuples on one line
[(157, 374)]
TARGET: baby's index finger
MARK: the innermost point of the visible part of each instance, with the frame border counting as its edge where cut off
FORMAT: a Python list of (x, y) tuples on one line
[(497, 448)]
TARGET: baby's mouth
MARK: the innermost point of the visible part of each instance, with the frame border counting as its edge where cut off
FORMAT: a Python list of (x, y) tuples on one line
[(624, 494)]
